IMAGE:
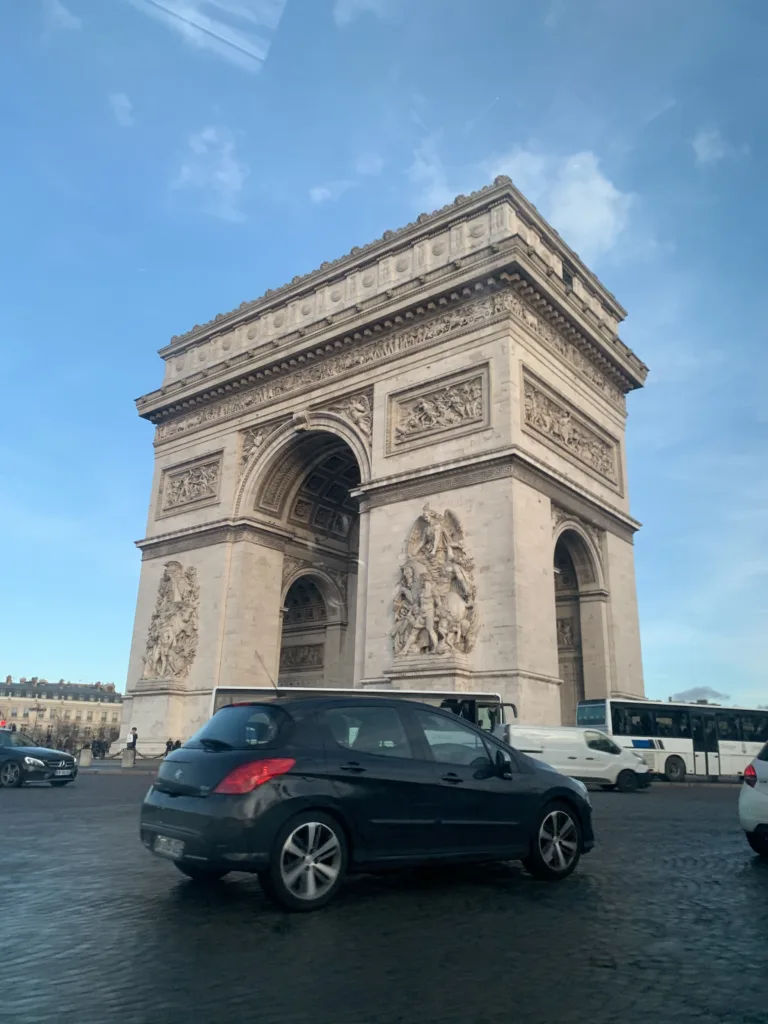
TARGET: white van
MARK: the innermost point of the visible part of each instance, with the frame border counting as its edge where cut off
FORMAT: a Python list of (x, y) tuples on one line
[(585, 754)]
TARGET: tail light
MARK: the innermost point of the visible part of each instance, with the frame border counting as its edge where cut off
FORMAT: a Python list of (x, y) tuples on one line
[(750, 775), (246, 777)]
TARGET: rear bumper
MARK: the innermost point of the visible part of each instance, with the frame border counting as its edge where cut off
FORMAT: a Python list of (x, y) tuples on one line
[(214, 830)]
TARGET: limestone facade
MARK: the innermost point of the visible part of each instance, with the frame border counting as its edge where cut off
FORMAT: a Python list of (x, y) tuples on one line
[(406, 468)]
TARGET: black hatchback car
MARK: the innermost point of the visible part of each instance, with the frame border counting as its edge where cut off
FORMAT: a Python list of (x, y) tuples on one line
[(303, 791)]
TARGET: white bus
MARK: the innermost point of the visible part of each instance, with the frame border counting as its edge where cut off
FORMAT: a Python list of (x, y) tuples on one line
[(484, 709), (681, 739)]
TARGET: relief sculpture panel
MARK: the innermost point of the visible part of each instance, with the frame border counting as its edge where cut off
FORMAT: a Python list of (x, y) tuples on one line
[(190, 485), (172, 638), (551, 416), (453, 406), (434, 603)]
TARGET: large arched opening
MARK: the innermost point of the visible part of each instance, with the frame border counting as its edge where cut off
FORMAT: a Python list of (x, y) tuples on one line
[(306, 486), (580, 626)]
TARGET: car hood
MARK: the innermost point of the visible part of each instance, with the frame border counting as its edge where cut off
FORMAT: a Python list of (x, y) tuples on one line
[(44, 753)]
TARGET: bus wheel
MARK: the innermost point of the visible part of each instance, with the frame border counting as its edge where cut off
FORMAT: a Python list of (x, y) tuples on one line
[(674, 769)]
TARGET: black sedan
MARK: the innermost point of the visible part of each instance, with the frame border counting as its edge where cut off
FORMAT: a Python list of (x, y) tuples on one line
[(303, 791), (21, 760)]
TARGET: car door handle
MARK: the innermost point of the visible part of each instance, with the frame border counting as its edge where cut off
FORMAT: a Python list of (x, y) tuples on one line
[(352, 766), (451, 777), (588, 759), (572, 758)]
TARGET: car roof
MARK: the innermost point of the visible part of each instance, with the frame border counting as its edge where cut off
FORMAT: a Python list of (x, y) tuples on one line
[(300, 700)]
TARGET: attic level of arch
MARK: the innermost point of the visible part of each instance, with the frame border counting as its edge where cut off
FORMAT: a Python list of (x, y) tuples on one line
[(611, 358)]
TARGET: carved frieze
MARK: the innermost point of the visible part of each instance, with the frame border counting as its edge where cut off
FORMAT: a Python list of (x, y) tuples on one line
[(565, 633), (251, 440), (358, 409), (378, 350), (551, 416), (190, 484), (301, 657), (449, 407), (434, 603), (565, 348), (173, 630)]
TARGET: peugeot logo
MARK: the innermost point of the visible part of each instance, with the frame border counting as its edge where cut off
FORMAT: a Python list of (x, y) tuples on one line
[(178, 774)]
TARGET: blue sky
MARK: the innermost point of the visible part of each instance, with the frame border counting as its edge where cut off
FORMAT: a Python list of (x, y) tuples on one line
[(167, 159)]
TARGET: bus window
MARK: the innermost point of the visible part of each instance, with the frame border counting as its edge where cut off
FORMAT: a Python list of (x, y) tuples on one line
[(728, 727), (630, 720), (673, 723), (755, 726), (591, 713)]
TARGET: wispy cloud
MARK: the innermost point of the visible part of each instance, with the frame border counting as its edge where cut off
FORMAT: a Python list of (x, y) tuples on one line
[(239, 31), (212, 168), (710, 147), (122, 109), (329, 192), (58, 18), (572, 192), (700, 693), (345, 11)]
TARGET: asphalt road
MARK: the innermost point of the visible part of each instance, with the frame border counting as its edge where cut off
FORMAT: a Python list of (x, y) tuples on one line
[(666, 922)]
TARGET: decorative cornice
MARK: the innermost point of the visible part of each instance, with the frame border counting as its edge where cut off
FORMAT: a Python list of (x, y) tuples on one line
[(501, 190), (432, 322)]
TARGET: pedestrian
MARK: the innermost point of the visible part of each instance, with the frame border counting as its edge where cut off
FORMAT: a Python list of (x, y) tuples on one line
[(177, 745), (133, 739), (168, 747)]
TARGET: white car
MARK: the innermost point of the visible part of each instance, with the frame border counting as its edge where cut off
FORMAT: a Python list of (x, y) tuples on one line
[(753, 803)]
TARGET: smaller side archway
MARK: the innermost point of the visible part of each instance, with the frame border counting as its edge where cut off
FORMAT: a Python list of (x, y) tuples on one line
[(315, 649), (580, 603)]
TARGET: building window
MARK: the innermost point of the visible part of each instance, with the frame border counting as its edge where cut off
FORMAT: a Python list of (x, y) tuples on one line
[(114, 717), (78, 716), (14, 712), (89, 716), (568, 277), (104, 716), (25, 713)]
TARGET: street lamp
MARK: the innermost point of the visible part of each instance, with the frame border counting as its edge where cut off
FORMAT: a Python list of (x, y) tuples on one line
[(37, 708)]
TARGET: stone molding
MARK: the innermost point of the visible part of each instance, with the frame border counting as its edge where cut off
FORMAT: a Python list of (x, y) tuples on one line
[(427, 413), (304, 371), (294, 568), (561, 516), (189, 485), (549, 416)]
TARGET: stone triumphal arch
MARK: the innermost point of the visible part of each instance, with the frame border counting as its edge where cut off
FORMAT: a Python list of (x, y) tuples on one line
[(405, 468)]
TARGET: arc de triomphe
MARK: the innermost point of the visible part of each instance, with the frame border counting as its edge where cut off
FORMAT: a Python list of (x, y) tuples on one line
[(405, 467)]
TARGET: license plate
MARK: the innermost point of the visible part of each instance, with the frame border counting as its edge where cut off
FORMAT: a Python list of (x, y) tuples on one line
[(167, 847), (63, 771)]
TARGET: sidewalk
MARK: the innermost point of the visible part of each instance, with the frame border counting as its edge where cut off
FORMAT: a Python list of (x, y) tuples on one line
[(113, 766)]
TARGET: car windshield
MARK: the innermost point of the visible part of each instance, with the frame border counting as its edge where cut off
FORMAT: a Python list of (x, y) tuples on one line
[(240, 727), (15, 739)]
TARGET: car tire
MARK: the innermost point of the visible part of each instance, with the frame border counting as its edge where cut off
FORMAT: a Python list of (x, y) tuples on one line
[(201, 872), (759, 844), (674, 769), (627, 781), (11, 775), (62, 782), (295, 879), (549, 859)]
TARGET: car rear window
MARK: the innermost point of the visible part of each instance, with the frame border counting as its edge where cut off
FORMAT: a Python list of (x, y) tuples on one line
[(242, 727), (763, 755)]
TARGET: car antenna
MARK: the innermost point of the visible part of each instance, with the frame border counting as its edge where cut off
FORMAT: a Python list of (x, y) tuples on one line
[(266, 670)]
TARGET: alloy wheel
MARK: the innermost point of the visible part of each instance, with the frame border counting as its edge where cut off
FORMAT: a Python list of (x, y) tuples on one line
[(310, 860), (558, 840), (9, 774)]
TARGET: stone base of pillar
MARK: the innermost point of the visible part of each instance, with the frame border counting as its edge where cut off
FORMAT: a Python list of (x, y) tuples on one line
[(85, 759), (440, 672)]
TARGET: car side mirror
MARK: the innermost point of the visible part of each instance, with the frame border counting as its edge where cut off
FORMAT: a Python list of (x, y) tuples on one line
[(503, 766)]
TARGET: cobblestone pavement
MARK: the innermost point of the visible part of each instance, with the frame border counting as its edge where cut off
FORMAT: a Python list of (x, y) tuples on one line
[(664, 922)]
